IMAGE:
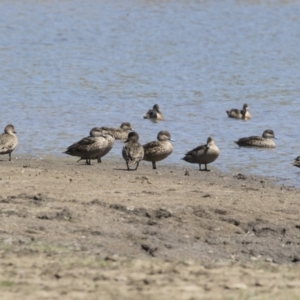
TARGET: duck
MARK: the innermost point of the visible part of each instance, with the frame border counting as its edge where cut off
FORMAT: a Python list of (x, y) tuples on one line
[(119, 133), (154, 113), (203, 154), (239, 114), (8, 140), (89, 148), (133, 151), (297, 162), (158, 150), (110, 141), (264, 141)]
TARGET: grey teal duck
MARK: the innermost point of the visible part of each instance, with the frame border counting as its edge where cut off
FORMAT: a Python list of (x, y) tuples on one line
[(109, 137), (89, 148), (203, 154), (120, 133), (264, 141), (154, 113), (158, 150), (296, 162), (8, 140), (133, 151), (239, 114)]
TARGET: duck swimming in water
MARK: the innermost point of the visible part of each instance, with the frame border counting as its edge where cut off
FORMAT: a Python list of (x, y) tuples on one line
[(239, 114), (203, 154), (133, 151), (154, 113), (297, 162), (120, 133), (264, 141), (8, 140), (158, 150)]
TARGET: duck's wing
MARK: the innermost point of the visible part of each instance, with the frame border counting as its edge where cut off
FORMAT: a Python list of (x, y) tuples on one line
[(152, 148), (87, 141), (250, 141), (250, 138), (148, 114), (105, 128), (234, 112), (7, 142), (197, 150), (133, 152)]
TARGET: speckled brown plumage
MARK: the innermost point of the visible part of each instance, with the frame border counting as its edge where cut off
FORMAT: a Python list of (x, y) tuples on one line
[(133, 151), (239, 114), (120, 133), (8, 140), (158, 150), (263, 141), (89, 148), (203, 154), (154, 113)]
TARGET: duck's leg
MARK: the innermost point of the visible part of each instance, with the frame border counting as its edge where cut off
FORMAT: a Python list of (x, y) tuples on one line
[(206, 168), (137, 165), (153, 165), (9, 156), (127, 166), (99, 160)]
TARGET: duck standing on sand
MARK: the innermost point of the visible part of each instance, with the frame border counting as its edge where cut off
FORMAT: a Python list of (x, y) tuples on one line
[(154, 113), (263, 141), (120, 133), (89, 148), (203, 154), (109, 137), (239, 114), (133, 151), (8, 140), (158, 150)]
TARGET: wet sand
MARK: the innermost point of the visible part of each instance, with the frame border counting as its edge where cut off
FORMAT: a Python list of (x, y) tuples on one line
[(74, 231)]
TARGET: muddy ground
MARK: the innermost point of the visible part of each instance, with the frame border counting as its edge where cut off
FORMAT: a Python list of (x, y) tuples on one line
[(72, 231)]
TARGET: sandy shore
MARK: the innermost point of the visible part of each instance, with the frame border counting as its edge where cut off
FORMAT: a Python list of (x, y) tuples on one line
[(74, 231)]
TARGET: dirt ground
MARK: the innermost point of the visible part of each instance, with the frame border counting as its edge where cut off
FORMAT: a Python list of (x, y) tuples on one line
[(72, 231)]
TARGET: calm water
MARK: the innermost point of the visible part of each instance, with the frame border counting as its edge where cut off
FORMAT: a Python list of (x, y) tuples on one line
[(67, 66)]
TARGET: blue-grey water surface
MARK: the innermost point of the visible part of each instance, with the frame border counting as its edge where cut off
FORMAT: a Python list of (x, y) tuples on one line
[(67, 66)]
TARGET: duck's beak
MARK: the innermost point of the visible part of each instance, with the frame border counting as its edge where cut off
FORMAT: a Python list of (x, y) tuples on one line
[(172, 140)]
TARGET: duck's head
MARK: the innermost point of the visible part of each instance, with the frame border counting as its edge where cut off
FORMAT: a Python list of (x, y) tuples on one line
[(269, 134), (9, 129), (132, 137), (126, 126), (164, 136)]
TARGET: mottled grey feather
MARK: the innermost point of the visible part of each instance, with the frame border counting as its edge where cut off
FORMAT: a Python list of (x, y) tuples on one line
[(8, 140)]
